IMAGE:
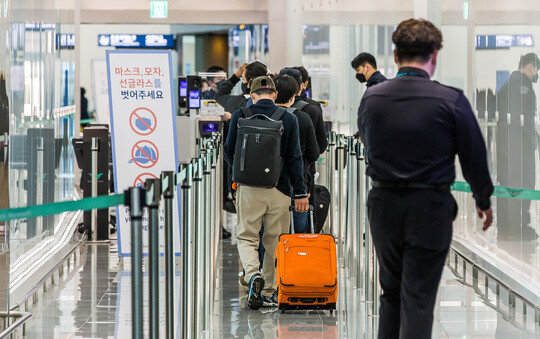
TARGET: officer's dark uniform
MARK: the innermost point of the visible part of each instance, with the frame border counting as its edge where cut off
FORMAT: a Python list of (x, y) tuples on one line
[(516, 147), (412, 128)]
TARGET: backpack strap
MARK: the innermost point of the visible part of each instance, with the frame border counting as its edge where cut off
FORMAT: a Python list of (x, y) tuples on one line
[(278, 114), (300, 104), (247, 112)]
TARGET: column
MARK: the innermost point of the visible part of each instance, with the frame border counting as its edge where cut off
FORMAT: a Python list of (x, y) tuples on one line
[(285, 38)]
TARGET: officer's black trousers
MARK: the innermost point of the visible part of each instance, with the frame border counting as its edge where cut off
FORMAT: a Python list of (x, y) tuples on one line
[(412, 231)]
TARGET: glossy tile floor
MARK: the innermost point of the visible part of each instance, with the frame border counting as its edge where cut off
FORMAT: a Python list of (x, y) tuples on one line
[(94, 301)]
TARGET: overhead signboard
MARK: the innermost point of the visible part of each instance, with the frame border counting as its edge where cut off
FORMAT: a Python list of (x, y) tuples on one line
[(159, 9), (137, 40), (143, 127), (504, 41)]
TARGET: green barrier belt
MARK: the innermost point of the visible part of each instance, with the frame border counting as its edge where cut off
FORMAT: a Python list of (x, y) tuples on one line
[(502, 192), (87, 204), (87, 121)]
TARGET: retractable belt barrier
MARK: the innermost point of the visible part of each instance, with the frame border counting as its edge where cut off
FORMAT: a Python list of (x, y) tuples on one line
[(348, 222), (200, 183)]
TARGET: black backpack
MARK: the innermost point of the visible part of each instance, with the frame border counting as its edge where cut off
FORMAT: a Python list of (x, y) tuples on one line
[(257, 158), (300, 104)]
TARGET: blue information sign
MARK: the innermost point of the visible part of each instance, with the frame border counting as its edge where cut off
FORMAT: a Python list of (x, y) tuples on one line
[(136, 40)]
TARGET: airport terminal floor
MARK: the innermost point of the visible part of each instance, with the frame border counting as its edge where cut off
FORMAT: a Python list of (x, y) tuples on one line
[(97, 304)]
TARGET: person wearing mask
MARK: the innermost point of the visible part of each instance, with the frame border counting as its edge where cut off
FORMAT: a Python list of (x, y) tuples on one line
[(269, 205), (214, 82), (365, 66), (287, 89), (516, 146), (246, 72), (412, 129)]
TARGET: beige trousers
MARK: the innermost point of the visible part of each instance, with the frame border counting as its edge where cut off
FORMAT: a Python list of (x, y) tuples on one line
[(254, 207)]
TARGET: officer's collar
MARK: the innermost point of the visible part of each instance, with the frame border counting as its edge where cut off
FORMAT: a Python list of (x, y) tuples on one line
[(412, 71), (373, 77)]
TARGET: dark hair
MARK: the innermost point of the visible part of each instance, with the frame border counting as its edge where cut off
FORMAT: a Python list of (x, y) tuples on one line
[(264, 91), (529, 58), (296, 75), (362, 59), (254, 70), (83, 91), (303, 71), (287, 87), (214, 69), (416, 40)]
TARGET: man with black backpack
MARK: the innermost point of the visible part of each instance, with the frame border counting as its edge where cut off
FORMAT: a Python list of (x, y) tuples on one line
[(263, 148)]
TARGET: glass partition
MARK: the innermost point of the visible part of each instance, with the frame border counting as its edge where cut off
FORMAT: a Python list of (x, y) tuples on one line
[(481, 55), (36, 83)]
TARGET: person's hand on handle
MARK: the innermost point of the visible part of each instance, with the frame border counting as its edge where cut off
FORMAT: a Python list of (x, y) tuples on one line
[(489, 217), (301, 205), (240, 70)]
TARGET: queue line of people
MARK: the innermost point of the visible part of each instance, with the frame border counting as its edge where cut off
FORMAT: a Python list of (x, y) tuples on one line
[(412, 129)]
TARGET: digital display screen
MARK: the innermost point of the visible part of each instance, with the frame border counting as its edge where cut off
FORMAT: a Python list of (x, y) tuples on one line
[(308, 93), (183, 88), (194, 99), (210, 127), (504, 41)]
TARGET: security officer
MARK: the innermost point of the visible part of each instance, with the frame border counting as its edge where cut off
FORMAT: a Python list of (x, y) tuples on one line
[(516, 146), (412, 129), (365, 66)]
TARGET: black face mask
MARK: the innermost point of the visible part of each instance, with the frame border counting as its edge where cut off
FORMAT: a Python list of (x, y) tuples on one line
[(535, 78), (245, 88), (361, 77), (218, 84)]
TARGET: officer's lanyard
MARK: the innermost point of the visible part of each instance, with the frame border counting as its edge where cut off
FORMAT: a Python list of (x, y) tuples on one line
[(410, 73)]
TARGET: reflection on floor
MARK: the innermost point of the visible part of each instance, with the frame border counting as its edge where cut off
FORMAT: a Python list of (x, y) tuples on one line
[(82, 308)]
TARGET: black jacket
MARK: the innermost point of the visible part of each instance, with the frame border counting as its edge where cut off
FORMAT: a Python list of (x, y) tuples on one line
[(308, 142), (314, 110), (376, 78), (413, 128), (230, 102), (291, 180)]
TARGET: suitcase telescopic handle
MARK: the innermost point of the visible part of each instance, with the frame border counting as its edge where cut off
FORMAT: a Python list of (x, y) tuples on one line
[(291, 210)]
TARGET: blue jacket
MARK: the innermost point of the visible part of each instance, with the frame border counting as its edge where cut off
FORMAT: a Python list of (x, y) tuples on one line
[(291, 181)]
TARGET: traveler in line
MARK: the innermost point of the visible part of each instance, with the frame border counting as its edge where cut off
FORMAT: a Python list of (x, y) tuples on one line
[(256, 205), (412, 129), (246, 72), (287, 89), (214, 82), (365, 66)]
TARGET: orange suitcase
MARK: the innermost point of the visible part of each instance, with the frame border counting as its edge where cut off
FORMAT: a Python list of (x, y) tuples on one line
[(306, 270)]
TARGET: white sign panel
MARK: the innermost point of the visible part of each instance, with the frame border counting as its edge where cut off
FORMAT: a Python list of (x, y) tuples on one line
[(101, 90), (211, 107), (143, 127)]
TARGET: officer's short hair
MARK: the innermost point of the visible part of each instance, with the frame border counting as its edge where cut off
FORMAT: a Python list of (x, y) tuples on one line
[(527, 59), (416, 40), (214, 69), (287, 87), (362, 59), (254, 70)]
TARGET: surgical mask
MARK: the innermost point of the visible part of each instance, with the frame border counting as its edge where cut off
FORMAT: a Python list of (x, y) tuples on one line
[(361, 77), (535, 78), (245, 88)]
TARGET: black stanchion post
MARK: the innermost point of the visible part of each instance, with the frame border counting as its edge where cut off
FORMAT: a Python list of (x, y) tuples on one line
[(186, 239), (135, 200), (153, 191), (168, 182)]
